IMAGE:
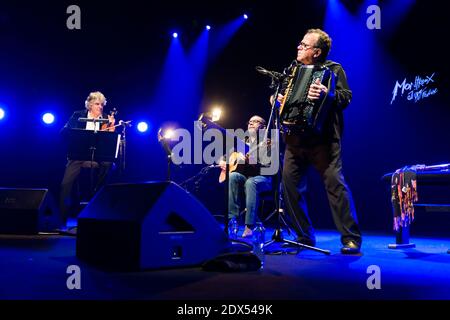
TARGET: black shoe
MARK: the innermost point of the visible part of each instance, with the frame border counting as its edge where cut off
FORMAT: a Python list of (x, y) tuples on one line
[(351, 247)]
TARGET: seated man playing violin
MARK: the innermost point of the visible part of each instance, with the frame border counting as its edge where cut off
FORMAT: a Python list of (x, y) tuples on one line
[(245, 178), (94, 110)]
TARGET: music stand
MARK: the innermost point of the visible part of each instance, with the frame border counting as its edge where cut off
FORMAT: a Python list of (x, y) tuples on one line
[(274, 118), (123, 145), (93, 146)]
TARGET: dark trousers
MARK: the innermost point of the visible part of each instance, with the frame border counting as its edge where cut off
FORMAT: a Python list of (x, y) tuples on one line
[(326, 159), (73, 169)]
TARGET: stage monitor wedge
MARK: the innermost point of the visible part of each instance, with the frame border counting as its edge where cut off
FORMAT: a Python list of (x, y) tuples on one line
[(26, 211), (147, 226)]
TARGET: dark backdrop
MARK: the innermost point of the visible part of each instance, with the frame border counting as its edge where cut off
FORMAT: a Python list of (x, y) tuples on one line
[(121, 50)]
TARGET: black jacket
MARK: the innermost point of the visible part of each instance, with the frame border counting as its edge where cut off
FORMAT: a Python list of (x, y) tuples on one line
[(73, 122), (342, 98)]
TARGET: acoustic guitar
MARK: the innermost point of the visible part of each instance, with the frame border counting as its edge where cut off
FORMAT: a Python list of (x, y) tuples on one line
[(238, 158), (235, 159)]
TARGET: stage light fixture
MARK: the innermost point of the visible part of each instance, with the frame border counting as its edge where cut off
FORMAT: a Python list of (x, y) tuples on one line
[(48, 118), (166, 133), (142, 126), (216, 113)]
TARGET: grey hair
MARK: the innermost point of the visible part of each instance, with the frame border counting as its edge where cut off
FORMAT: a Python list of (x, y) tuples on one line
[(97, 95)]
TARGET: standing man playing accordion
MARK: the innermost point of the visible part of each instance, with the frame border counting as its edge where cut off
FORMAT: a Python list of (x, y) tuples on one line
[(320, 146)]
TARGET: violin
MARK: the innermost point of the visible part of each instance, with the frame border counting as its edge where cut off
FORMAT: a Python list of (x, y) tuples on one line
[(109, 126)]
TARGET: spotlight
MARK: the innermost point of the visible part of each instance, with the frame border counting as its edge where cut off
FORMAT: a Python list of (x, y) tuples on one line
[(167, 134), (216, 113), (208, 27), (213, 115), (2, 113), (48, 118), (175, 35), (142, 126), (245, 16)]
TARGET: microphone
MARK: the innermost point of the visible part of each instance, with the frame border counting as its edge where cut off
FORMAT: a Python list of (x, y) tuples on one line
[(273, 74), (125, 123)]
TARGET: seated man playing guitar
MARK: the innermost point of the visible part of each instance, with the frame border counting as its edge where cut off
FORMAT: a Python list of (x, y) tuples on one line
[(245, 178)]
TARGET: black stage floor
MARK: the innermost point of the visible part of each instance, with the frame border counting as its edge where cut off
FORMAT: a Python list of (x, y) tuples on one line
[(34, 267)]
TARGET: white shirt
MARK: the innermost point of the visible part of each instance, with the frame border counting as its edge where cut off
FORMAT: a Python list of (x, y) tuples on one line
[(90, 124)]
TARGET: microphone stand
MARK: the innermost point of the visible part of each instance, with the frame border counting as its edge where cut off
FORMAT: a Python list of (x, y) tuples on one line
[(169, 160), (168, 151), (123, 144)]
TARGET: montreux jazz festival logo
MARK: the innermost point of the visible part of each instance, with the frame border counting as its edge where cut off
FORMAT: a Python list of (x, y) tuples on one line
[(416, 90)]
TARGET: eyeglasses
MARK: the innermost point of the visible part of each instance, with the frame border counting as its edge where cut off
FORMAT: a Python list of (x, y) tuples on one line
[(254, 121), (305, 46)]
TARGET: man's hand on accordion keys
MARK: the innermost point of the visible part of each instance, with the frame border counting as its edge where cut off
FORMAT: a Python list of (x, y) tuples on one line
[(316, 89)]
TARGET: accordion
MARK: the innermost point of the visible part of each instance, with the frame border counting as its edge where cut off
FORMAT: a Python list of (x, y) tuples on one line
[(297, 112)]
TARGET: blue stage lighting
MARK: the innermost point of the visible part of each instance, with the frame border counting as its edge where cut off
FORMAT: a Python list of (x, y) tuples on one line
[(2, 113), (142, 126), (208, 27), (48, 118), (175, 35), (245, 16)]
